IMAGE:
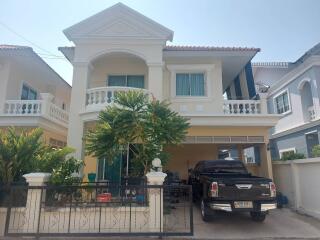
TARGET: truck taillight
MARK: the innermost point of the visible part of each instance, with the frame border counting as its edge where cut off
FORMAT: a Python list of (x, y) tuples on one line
[(273, 189), (214, 190)]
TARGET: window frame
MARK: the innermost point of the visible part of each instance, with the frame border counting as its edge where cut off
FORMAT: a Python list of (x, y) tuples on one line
[(29, 89), (281, 151), (189, 73), (206, 69), (126, 75), (275, 103)]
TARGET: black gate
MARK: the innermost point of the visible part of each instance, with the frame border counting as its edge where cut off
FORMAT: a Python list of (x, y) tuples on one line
[(97, 210)]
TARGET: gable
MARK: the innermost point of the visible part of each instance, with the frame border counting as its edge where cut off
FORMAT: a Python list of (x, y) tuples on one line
[(118, 21)]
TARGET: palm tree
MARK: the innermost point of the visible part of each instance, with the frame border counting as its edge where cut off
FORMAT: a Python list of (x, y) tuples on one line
[(135, 119), (17, 152)]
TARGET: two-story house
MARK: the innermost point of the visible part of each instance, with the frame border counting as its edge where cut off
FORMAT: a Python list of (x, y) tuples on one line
[(120, 49), (32, 94), (293, 91)]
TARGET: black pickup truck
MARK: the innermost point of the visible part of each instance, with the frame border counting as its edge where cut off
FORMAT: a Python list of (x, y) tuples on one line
[(226, 185)]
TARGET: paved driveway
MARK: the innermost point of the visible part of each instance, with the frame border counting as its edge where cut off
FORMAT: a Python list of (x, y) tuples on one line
[(280, 224)]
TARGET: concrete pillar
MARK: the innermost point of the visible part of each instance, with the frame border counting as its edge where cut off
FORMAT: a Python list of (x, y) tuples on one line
[(4, 76), (296, 184), (155, 196), (266, 162), (155, 80), (34, 198), (264, 105), (77, 106)]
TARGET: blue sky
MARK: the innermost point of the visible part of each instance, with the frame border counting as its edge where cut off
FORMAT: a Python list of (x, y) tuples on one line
[(283, 29)]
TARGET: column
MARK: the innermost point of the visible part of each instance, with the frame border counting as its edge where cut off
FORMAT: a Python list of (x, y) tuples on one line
[(296, 184), (4, 76), (266, 162), (155, 196), (263, 106), (34, 198), (77, 106), (155, 80)]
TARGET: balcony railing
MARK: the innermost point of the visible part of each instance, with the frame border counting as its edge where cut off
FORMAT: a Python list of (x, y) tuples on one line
[(242, 107), (44, 108), (312, 114), (103, 96)]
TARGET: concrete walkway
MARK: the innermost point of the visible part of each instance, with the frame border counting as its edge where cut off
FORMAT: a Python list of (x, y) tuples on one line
[(280, 224)]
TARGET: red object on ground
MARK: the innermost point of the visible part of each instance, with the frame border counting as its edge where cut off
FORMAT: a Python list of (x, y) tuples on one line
[(104, 197)]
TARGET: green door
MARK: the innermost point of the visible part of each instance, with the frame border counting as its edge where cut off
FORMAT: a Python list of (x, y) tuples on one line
[(111, 172)]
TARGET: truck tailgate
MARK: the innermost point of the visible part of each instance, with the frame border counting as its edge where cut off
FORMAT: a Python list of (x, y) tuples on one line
[(244, 189)]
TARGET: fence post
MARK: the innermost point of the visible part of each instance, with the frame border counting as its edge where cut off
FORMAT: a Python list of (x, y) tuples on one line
[(34, 198), (155, 196)]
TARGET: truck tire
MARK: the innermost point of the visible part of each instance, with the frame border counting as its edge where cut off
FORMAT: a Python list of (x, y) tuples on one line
[(258, 216), (204, 212)]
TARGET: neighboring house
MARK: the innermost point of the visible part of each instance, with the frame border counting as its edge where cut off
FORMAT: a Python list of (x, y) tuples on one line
[(120, 49), (293, 91), (32, 94)]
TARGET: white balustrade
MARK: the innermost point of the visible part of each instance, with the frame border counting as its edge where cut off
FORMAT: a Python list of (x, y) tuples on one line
[(58, 113), (103, 96), (44, 108), (312, 114), (242, 107), (23, 107)]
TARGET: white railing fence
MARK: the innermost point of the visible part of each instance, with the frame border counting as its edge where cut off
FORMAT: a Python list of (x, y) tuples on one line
[(23, 107), (312, 114), (44, 107), (242, 107), (105, 95)]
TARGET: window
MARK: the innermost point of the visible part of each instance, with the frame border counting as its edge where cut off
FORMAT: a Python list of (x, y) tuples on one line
[(285, 152), (190, 84), (57, 144), (281, 103), (63, 106), (136, 81), (28, 93)]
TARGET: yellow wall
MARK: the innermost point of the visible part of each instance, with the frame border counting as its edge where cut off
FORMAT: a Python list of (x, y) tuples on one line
[(186, 156), (229, 131), (90, 166)]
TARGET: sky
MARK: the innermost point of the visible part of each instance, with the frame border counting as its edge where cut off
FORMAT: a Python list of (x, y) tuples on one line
[(283, 29)]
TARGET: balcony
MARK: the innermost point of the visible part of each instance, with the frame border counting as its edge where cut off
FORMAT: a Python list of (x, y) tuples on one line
[(99, 98), (311, 113), (242, 107), (36, 108)]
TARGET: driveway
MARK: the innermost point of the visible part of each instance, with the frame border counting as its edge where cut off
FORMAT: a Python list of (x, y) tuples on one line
[(279, 224)]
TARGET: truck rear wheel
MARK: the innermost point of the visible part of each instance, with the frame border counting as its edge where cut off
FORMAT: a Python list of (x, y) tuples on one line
[(258, 216), (204, 212)]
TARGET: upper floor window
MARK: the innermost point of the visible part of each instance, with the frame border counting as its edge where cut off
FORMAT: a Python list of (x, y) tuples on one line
[(136, 81), (190, 84), (281, 103), (28, 93)]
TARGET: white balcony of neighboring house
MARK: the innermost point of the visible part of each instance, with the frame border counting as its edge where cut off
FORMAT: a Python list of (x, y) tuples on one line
[(311, 113), (42, 108)]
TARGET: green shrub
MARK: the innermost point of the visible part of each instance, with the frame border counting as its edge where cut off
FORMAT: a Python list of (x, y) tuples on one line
[(316, 151), (292, 156)]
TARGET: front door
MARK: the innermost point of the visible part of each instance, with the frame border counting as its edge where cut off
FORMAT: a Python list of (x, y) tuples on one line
[(110, 171), (312, 140)]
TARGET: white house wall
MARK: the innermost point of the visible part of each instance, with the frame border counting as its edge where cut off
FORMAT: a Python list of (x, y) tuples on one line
[(295, 117), (37, 77)]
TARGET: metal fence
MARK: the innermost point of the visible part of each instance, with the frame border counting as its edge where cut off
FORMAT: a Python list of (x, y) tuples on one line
[(98, 209)]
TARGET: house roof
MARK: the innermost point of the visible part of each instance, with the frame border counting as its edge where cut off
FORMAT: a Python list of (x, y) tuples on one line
[(118, 21), (207, 48), (7, 48), (13, 47)]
